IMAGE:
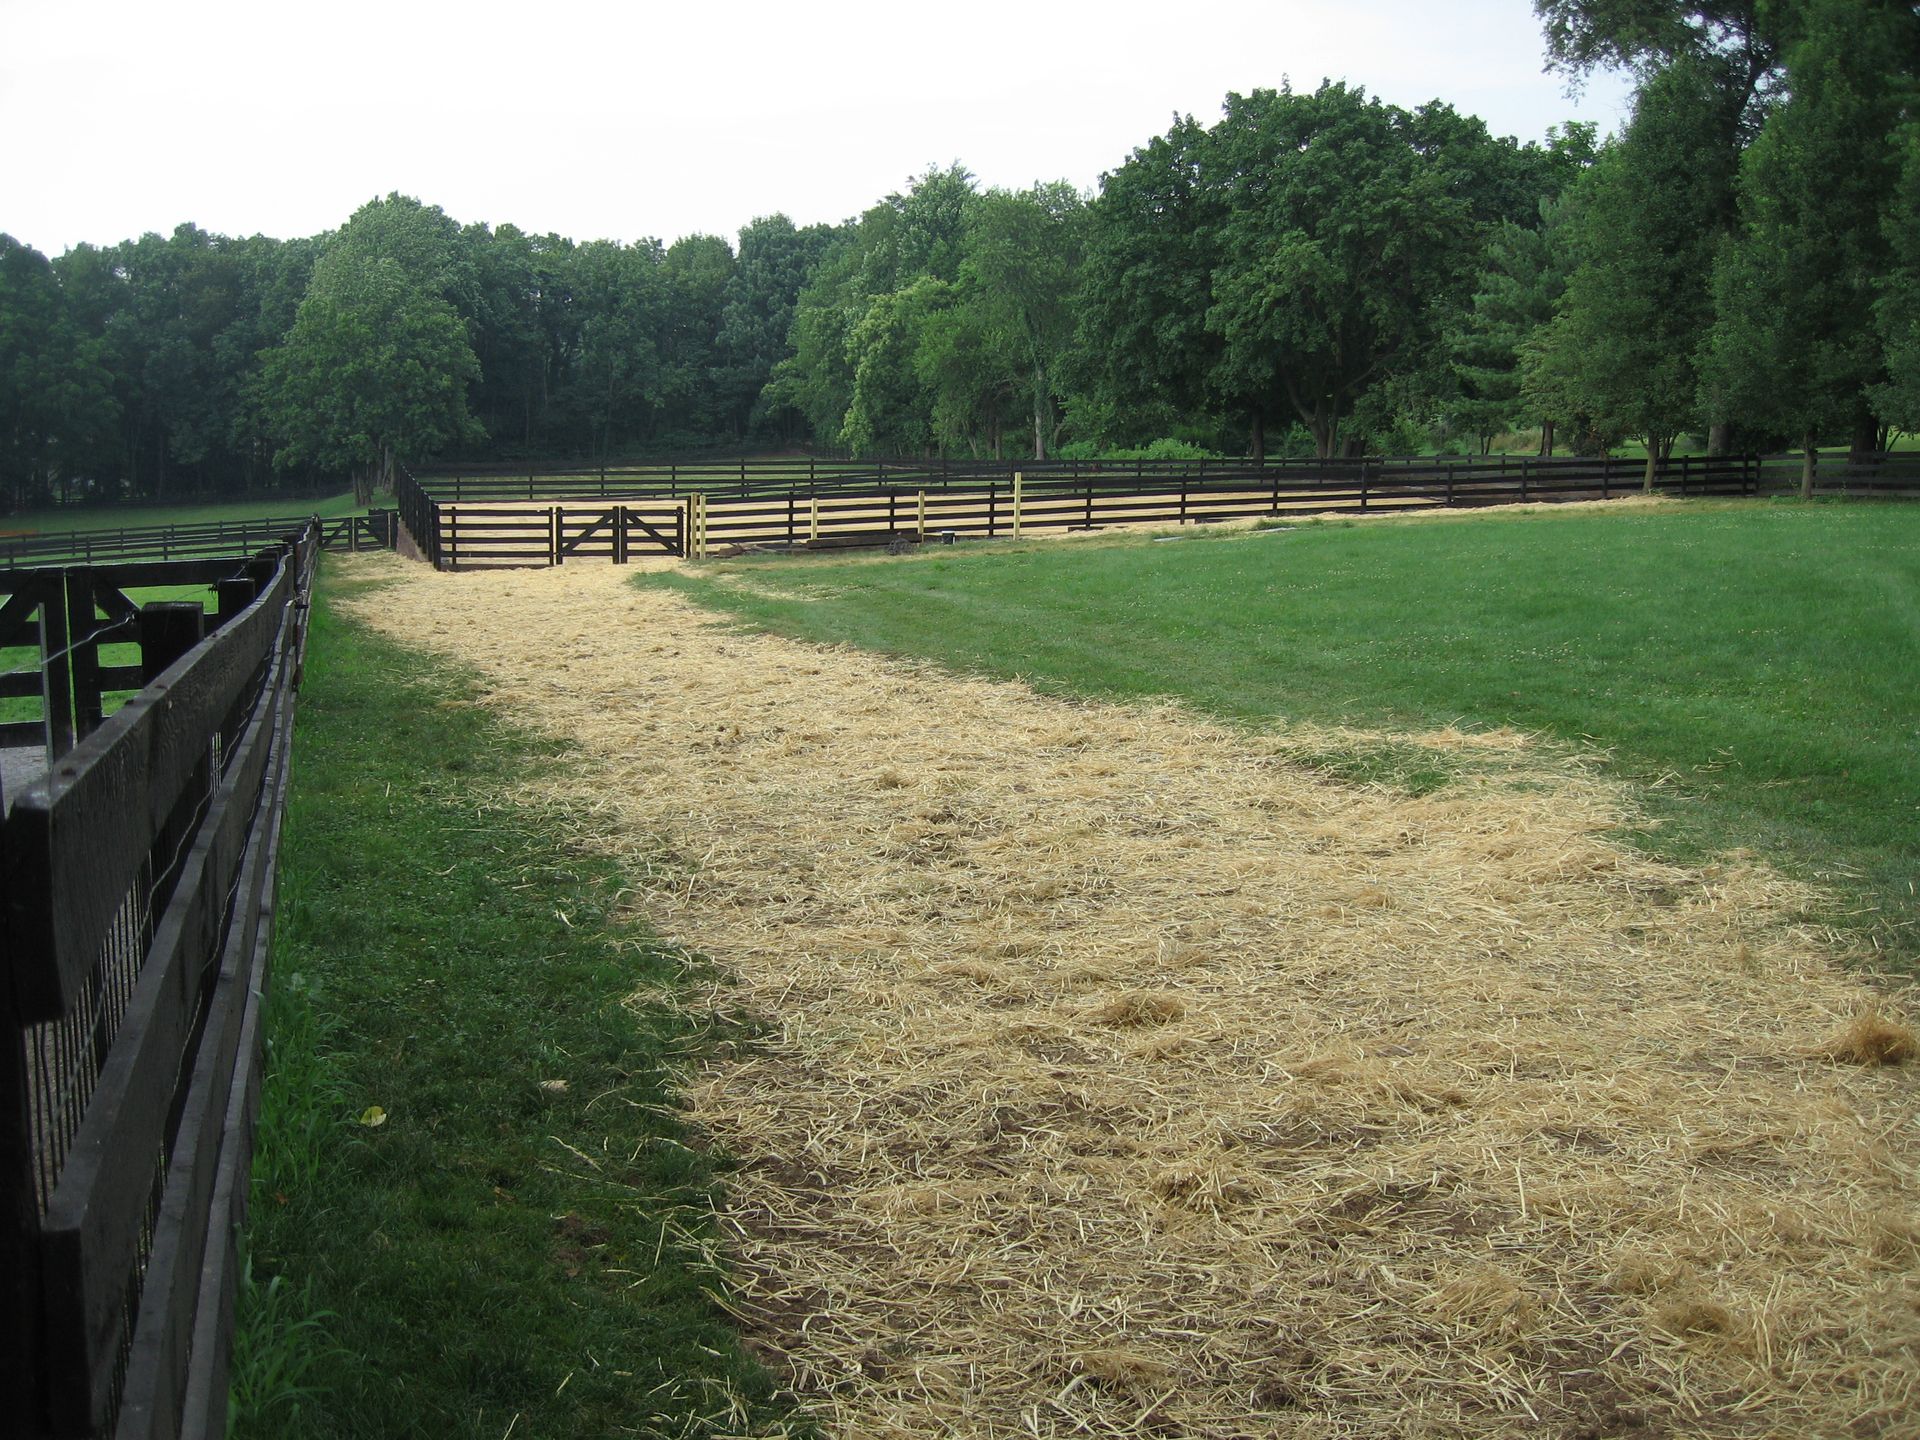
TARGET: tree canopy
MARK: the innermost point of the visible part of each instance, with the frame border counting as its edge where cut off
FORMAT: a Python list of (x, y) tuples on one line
[(1317, 271)]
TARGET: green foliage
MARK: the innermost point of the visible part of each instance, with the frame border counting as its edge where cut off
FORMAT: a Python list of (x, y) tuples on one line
[(1794, 348), (57, 407), (1639, 300), (1165, 448), (377, 362), (1523, 272), (1897, 311), (1756, 665), (1289, 259), (774, 262)]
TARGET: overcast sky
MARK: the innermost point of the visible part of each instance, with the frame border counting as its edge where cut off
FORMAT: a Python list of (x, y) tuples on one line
[(607, 120)]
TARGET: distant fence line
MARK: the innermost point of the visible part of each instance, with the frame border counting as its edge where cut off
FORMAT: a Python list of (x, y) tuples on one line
[(456, 528), (746, 476), (136, 902), (372, 531)]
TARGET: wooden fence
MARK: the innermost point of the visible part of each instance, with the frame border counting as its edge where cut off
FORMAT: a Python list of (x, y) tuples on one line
[(136, 900), (376, 530), (66, 617), (851, 510)]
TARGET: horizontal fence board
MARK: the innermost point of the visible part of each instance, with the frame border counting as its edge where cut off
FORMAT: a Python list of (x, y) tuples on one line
[(93, 1221), (157, 1362), (76, 839), (500, 519)]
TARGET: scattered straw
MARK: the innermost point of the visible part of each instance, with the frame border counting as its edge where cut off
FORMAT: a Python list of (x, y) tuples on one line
[(1873, 1039), (1123, 1075)]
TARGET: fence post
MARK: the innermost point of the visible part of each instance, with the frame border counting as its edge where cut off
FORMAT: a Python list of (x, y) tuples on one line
[(553, 534), (168, 630), (920, 516), (813, 518), (1363, 485), (993, 504), (1019, 485), (619, 534), (1523, 475)]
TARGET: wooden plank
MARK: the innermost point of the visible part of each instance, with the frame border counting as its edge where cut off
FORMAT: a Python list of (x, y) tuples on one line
[(91, 1229), (75, 840), (191, 1226)]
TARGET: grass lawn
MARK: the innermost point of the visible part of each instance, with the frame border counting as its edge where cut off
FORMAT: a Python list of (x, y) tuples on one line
[(66, 519), (1754, 666), (21, 658), (520, 1245)]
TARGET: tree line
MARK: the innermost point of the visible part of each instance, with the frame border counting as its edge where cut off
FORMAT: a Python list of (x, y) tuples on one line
[(1314, 272)]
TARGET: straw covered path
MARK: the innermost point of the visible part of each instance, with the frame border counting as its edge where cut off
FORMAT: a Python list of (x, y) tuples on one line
[(1122, 1074)]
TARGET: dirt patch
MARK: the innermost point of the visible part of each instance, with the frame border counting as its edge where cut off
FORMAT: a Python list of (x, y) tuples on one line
[(1121, 1075)]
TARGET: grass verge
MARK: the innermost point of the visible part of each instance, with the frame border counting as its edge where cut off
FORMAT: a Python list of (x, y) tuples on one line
[(475, 1211), (1753, 666)]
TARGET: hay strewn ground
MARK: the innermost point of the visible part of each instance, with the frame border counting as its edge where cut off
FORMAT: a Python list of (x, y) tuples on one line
[(1125, 1076)]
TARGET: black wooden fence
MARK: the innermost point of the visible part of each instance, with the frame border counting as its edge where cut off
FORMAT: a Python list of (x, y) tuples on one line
[(376, 530), (136, 900)]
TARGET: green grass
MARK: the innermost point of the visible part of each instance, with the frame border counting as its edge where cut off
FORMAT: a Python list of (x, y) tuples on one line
[(1753, 666), (71, 519), (18, 658), (496, 1255)]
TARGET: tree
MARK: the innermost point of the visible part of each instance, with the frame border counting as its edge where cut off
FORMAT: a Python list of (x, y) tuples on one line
[(853, 342), (694, 273), (774, 263), (1736, 42), (613, 390), (57, 409), (1291, 258), (377, 362), (1897, 311), (1522, 276), (1338, 245), (1639, 302), (888, 412), (1794, 347), (1143, 345), (1018, 278)]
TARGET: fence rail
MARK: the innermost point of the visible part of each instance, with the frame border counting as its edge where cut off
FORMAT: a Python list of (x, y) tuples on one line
[(136, 902), (373, 531), (459, 534)]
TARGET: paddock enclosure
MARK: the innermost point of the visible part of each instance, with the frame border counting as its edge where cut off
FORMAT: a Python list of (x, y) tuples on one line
[(1115, 1072), (460, 522)]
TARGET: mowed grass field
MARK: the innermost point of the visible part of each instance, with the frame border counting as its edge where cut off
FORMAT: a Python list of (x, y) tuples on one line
[(1754, 668)]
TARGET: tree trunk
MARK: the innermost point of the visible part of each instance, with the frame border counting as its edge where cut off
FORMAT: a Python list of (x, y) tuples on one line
[(1039, 424), (1653, 464), (1719, 438), (1866, 436), (1546, 437), (1257, 441), (1809, 462)]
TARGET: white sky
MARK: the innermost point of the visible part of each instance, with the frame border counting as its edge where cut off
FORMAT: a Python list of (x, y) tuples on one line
[(605, 120)]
